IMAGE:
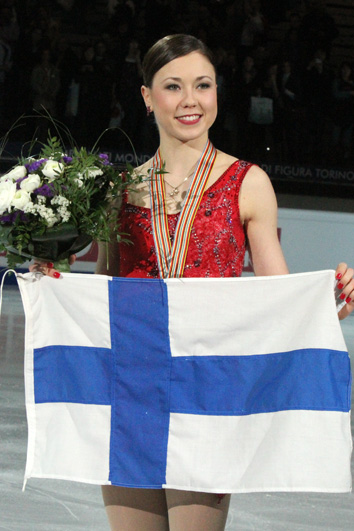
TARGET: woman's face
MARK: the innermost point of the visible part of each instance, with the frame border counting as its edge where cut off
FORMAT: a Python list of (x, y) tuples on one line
[(183, 97), (248, 63), (346, 71), (89, 53)]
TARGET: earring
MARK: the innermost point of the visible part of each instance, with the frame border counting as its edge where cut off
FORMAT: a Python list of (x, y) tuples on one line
[(148, 110)]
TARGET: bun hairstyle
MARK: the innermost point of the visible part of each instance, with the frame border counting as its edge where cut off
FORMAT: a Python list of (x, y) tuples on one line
[(169, 48)]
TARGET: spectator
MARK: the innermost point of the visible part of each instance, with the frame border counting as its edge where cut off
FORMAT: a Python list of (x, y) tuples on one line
[(232, 23), (45, 83), (270, 87), (230, 122), (103, 87), (128, 93), (343, 113), (317, 95), (223, 71), (318, 28), (254, 27), (5, 67), (291, 112), (88, 84), (264, 115), (9, 28), (120, 34), (245, 88), (9, 33), (291, 46), (67, 63)]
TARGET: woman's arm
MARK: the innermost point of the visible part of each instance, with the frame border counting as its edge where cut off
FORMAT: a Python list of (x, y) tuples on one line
[(258, 209)]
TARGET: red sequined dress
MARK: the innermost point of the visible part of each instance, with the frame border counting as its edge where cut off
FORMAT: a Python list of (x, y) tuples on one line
[(217, 242)]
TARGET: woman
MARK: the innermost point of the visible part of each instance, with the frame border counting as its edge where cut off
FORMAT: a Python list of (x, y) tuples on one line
[(237, 201)]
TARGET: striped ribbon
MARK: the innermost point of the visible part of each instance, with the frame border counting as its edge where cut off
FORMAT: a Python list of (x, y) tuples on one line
[(171, 258)]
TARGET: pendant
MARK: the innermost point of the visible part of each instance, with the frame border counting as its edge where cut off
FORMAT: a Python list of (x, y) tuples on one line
[(174, 192)]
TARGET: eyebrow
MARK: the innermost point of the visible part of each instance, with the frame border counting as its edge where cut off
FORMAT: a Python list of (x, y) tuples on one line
[(179, 79)]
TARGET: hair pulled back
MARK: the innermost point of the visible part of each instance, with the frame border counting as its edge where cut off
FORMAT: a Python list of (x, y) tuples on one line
[(169, 48)]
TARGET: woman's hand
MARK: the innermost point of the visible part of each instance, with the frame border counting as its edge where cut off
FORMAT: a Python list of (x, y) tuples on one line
[(345, 283), (47, 268)]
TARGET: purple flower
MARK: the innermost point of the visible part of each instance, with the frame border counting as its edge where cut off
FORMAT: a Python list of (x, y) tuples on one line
[(33, 167), (11, 218), (104, 158), (46, 190), (67, 160)]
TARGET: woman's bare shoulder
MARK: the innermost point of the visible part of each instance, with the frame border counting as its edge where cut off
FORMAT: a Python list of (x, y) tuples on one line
[(256, 177)]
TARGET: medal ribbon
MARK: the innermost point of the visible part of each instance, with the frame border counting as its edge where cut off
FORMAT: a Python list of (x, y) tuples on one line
[(171, 258)]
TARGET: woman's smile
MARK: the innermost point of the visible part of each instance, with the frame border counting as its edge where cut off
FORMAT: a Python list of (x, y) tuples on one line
[(189, 119)]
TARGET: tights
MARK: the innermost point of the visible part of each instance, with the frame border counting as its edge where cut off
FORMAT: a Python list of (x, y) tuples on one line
[(164, 510)]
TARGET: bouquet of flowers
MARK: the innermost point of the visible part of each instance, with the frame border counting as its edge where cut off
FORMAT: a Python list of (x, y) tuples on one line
[(53, 205)]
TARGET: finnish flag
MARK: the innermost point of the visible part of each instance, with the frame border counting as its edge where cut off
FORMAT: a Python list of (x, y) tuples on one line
[(214, 385)]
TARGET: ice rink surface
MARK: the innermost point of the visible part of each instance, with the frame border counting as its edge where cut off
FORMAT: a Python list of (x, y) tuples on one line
[(48, 505)]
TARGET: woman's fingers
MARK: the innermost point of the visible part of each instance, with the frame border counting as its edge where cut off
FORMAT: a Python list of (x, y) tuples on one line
[(45, 268), (345, 284), (345, 281), (341, 270)]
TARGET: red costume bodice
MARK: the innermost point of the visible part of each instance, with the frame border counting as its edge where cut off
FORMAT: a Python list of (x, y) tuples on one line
[(217, 242)]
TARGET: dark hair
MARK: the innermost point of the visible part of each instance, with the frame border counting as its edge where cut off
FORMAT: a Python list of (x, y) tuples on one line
[(169, 48)]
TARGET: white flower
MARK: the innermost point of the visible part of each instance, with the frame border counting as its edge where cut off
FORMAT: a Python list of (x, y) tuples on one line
[(7, 192), (79, 183), (94, 172), (30, 208), (47, 214), (60, 200), (65, 216), (52, 168), (16, 173), (62, 210), (20, 199), (31, 183)]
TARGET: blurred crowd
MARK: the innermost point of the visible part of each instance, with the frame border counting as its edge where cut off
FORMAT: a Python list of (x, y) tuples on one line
[(282, 100)]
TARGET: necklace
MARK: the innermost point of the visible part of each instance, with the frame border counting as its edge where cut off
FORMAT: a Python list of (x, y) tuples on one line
[(175, 190)]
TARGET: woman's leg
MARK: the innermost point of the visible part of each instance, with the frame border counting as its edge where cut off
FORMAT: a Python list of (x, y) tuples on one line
[(135, 509), (196, 511)]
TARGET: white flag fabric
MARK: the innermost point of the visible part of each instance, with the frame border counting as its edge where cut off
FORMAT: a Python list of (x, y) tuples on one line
[(214, 385)]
